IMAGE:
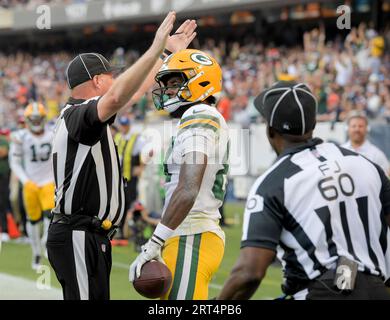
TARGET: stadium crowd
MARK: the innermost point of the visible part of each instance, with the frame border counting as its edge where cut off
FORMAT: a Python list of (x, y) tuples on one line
[(346, 74), (349, 74)]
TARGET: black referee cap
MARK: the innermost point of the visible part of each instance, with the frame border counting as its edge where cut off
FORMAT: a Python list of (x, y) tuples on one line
[(288, 107), (86, 65)]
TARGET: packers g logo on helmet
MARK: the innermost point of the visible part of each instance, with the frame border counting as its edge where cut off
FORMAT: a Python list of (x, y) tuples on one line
[(201, 58), (35, 116), (201, 74)]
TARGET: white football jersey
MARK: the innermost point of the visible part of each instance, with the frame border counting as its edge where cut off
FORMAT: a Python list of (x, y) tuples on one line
[(201, 129), (31, 156)]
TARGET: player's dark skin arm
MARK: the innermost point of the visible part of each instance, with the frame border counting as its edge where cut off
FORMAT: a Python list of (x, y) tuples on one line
[(247, 273), (387, 217), (184, 196)]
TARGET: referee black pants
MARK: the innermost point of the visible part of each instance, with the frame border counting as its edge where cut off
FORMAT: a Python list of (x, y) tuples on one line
[(81, 260), (367, 287)]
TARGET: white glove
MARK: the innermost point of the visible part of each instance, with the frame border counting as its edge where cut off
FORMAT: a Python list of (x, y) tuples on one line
[(150, 251)]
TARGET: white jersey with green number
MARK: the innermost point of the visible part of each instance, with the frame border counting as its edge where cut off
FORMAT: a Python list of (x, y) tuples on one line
[(30, 156), (201, 129)]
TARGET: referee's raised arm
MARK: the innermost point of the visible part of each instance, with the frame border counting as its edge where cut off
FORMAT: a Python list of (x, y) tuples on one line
[(90, 199), (127, 84)]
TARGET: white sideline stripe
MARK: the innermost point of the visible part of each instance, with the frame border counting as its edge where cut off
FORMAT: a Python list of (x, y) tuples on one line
[(24, 289), (121, 265), (215, 286)]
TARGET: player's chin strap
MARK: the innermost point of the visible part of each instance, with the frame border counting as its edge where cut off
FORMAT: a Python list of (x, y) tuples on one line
[(161, 234)]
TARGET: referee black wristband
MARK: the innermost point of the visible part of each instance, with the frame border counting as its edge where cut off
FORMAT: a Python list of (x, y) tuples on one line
[(165, 54)]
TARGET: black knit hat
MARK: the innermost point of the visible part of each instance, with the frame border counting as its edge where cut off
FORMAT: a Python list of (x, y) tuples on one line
[(86, 65), (288, 107)]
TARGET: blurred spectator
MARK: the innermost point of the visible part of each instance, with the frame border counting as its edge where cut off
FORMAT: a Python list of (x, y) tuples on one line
[(377, 45), (224, 107), (358, 142), (140, 224), (345, 75), (129, 145), (343, 66)]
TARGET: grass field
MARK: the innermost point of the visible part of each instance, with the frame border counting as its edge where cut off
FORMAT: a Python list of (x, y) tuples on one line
[(15, 260)]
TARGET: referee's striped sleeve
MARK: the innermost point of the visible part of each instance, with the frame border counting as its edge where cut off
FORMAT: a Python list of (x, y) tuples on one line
[(385, 191), (263, 223)]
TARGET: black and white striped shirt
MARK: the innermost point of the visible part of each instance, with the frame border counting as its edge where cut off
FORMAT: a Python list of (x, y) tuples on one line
[(86, 166), (319, 202)]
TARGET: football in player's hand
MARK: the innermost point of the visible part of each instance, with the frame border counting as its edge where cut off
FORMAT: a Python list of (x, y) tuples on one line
[(154, 281)]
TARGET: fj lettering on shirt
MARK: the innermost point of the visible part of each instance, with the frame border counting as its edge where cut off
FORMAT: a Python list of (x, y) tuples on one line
[(310, 235)]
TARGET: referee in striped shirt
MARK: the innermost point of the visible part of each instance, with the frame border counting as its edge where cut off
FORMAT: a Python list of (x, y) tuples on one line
[(89, 186), (324, 210)]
